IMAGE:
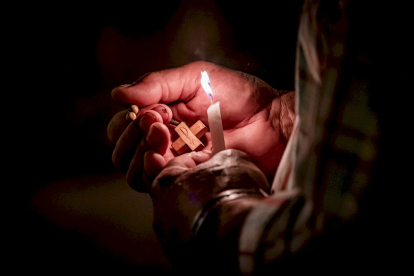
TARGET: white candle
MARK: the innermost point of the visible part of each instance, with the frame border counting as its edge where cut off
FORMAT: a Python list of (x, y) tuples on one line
[(216, 127), (214, 116)]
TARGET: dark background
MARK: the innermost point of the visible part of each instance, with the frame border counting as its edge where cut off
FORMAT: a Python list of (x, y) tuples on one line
[(69, 209)]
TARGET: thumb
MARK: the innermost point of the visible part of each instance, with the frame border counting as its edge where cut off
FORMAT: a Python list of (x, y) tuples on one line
[(166, 86)]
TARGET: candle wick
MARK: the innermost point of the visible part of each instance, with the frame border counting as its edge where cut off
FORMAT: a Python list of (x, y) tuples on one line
[(211, 99)]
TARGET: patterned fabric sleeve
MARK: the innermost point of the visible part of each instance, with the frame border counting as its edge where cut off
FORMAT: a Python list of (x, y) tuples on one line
[(320, 215)]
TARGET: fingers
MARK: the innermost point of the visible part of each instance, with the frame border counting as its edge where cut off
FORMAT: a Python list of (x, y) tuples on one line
[(231, 168), (122, 119), (154, 163), (129, 140), (158, 138), (162, 109), (162, 174), (201, 156), (163, 86), (190, 160), (117, 126), (142, 144), (148, 158), (171, 171)]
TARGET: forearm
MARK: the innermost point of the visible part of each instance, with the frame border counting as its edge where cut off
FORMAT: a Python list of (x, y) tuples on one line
[(231, 235), (214, 247), (214, 217), (258, 236)]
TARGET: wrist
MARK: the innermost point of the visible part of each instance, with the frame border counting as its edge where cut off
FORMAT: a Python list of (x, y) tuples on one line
[(221, 199), (217, 239)]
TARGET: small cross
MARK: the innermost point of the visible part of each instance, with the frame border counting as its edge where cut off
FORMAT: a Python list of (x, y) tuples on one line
[(189, 137)]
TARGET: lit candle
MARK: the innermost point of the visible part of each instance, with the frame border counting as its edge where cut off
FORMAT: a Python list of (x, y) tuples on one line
[(214, 116)]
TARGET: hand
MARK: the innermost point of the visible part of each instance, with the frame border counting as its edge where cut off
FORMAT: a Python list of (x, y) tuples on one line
[(183, 189), (257, 119)]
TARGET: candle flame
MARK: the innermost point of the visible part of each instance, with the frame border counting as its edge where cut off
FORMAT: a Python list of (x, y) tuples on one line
[(205, 83)]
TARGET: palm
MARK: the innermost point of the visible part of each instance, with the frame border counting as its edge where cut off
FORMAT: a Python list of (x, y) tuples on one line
[(245, 105), (250, 109)]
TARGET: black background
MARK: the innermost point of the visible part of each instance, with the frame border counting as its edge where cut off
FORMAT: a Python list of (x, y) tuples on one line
[(68, 209)]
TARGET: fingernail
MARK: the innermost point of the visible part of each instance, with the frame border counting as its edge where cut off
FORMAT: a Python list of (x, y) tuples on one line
[(195, 154), (146, 121), (210, 152), (163, 112), (200, 156), (154, 136), (200, 153)]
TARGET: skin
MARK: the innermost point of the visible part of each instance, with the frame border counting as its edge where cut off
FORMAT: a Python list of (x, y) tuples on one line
[(257, 119), (182, 189)]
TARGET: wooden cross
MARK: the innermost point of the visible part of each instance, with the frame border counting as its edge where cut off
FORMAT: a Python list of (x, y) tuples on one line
[(189, 137)]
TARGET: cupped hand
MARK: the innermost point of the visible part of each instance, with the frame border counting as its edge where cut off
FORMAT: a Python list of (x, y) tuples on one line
[(183, 192), (257, 119)]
